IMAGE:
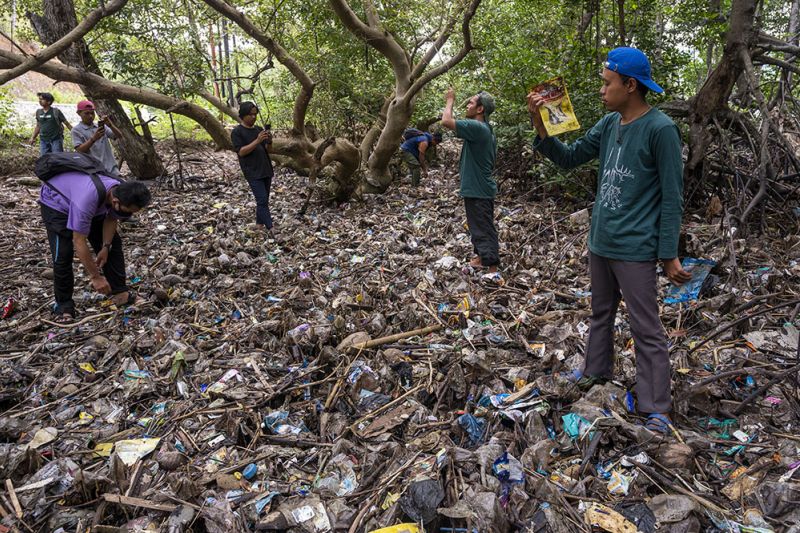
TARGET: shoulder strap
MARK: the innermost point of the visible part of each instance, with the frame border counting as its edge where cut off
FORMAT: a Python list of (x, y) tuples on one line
[(101, 188)]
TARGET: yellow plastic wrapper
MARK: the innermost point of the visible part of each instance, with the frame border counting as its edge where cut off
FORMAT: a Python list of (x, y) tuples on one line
[(399, 528)]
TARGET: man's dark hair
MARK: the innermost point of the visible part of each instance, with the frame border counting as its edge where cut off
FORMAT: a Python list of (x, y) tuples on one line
[(132, 194), (46, 96), (437, 137), (641, 87), (245, 108)]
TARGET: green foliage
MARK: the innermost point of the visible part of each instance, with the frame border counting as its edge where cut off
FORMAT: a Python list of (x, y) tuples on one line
[(161, 129), (8, 125), (166, 45)]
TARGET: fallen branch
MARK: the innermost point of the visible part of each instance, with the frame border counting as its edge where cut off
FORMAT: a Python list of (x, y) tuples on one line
[(79, 322), (139, 502), (738, 321), (396, 337)]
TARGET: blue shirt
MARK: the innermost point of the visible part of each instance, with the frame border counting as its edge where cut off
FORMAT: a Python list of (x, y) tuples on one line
[(412, 145)]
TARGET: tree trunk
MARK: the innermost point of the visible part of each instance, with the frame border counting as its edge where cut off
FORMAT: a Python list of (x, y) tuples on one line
[(409, 80), (715, 92), (621, 21), (58, 20), (378, 177)]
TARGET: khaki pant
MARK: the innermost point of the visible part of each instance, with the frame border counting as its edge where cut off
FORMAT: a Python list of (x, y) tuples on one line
[(413, 166)]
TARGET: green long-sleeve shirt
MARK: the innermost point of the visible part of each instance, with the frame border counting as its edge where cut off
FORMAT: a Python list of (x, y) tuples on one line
[(639, 204)]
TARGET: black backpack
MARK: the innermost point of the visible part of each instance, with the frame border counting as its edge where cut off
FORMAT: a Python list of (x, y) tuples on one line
[(410, 133), (55, 163)]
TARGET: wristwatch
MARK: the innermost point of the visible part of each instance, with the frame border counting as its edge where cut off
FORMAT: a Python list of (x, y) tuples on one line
[(107, 245)]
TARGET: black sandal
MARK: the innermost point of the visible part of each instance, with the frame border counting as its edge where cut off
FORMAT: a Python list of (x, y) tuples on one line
[(64, 317), (132, 298)]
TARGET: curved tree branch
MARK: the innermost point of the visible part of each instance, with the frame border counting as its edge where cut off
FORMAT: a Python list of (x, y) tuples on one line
[(436, 47), (461, 54), (767, 60), (280, 53), (104, 88), (219, 104), (378, 38), (65, 42)]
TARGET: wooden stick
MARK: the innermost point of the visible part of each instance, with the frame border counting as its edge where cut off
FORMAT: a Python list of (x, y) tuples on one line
[(14, 500), (79, 322), (139, 502), (396, 337)]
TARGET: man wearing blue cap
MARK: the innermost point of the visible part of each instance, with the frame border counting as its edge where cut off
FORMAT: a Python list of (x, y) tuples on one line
[(635, 222)]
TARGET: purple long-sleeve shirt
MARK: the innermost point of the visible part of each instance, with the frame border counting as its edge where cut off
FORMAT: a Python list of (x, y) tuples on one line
[(78, 199)]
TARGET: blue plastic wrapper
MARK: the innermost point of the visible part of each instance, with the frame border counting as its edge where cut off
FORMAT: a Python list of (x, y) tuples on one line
[(473, 426), (689, 291), (576, 426), (508, 469), (629, 403)]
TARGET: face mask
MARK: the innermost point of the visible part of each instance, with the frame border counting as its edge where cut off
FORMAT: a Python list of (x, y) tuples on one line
[(121, 214)]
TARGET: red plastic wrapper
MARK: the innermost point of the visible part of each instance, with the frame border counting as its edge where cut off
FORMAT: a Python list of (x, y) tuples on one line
[(8, 309)]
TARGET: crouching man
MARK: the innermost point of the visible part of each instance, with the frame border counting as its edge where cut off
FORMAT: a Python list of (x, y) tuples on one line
[(79, 210)]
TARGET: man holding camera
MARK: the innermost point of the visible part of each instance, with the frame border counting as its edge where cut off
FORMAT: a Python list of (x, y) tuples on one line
[(90, 138), (251, 144)]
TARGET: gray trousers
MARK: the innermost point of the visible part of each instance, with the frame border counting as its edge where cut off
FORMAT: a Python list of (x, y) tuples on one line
[(636, 282)]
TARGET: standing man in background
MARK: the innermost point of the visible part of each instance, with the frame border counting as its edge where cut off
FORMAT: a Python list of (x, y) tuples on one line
[(90, 138), (50, 123), (251, 143), (476, 166)]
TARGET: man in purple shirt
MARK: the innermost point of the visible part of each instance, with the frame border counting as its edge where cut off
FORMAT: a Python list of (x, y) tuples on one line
[(75, 216)]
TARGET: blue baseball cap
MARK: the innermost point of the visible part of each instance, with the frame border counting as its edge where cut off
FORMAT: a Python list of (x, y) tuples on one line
[(632, 62)]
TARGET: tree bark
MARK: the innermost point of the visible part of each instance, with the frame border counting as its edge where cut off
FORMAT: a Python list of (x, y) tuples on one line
[(65, 42), (107, 89), (409, 81), (58, 21), (713, 95)]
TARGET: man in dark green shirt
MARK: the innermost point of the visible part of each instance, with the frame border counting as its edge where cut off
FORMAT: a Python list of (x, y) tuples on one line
[(50, 122), (635, 222), (476, 165)]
